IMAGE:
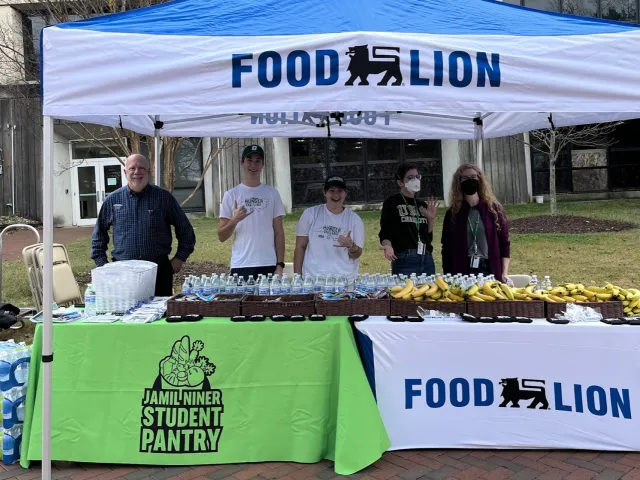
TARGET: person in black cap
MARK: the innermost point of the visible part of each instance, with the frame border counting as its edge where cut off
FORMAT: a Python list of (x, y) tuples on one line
[(329, 237), (406, 226), (253, 212)]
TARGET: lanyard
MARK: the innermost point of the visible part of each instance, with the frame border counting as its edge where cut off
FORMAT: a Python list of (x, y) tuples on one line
[(416, 217), (475, 231)]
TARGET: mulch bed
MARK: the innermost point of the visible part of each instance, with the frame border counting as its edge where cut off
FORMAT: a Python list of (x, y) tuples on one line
[(566, 224)]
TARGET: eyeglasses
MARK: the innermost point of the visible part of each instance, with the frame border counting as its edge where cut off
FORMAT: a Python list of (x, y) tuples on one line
[(471, 177), (411, 177), (136, 169)]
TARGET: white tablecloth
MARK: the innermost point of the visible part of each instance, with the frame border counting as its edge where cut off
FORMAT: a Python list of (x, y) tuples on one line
[(453, 384)]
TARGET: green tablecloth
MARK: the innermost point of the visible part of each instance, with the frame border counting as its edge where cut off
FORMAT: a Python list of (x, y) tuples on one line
[(208, 392)]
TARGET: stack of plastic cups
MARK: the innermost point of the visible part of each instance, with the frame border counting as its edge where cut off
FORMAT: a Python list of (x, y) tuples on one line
[(14, 373)]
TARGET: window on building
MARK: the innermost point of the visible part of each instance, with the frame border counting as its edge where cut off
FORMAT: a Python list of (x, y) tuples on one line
[(624, 157), (550, 5), (187, 172), (620, 10), (367, 165)]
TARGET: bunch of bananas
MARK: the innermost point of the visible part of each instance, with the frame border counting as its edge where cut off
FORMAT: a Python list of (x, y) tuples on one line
[(437, 291), (563, 293), (441, 291)]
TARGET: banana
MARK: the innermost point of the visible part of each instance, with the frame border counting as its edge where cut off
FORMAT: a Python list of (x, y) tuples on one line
[(598, 290), (473, 289), (626, 293), (421, 291), (589, 293), (628, 311), (559, 291), (520, 296), (437, 295), (433, 288), (604, 296), (407, 297), (507, 290), (418, 299), (609, 287), (634, 302), (626, 303), (455, 298), (486, 298), (487, 290), (444, 299), (405, 291), (529, 290), (568, 299), (555, 299), (580, 298), (475, 298), (396, 289), (571, 286), (576, 291), (442, 284), (456, 290)]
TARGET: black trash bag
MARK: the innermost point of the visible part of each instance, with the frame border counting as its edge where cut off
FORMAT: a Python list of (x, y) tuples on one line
[(8, 315)]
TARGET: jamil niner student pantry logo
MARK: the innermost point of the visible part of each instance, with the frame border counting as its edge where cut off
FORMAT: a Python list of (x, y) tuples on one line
[(181, 413)]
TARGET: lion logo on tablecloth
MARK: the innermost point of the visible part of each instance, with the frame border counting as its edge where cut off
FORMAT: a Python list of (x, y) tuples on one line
[(513, 393)]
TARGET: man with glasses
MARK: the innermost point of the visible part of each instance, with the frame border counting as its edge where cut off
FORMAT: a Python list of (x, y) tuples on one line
[(140, 216), (253, 212), (406, 226)]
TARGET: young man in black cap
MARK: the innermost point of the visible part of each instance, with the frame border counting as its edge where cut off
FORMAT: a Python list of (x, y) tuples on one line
[(329, 237), (253, 212)]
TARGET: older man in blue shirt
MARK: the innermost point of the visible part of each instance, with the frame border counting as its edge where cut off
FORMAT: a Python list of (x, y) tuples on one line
[(140, 216)]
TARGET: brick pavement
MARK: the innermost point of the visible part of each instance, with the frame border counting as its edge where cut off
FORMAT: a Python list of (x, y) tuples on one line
[(401, 465), (14, 242)]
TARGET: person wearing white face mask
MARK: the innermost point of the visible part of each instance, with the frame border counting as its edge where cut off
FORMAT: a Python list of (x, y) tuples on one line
[(406, 226)]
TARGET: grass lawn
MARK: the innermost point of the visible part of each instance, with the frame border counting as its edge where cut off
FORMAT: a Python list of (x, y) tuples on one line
[(588, 258)]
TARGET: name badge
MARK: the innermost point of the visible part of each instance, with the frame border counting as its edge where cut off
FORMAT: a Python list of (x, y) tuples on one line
[(421, 248), (475, 262)]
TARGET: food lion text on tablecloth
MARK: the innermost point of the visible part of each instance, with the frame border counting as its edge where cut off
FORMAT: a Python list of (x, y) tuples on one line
[(518, 393)]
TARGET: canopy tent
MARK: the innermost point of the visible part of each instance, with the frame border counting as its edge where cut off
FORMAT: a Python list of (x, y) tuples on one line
[(374, 68)]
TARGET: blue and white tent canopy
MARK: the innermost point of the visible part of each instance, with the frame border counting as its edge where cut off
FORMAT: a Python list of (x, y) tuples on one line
[(393, 68)]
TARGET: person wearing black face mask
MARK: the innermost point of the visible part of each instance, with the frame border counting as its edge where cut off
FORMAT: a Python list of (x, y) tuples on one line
[(475, 233)]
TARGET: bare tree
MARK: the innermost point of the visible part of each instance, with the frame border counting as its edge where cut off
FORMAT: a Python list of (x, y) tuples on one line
[(553, 140), (19, 70)]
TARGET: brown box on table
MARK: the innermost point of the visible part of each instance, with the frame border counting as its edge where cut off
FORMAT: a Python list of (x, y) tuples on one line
[(287, 305), (222, 305), (410, 307), (607, 309)]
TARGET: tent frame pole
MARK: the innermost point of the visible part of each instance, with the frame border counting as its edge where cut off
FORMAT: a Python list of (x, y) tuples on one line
[(158, 151), (47, 294)]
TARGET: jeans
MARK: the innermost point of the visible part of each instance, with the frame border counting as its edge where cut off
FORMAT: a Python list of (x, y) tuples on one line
[(409, 262), (255, 271)]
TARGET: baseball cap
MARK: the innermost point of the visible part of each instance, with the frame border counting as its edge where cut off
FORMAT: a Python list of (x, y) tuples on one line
[(251, 149), (335, 182)]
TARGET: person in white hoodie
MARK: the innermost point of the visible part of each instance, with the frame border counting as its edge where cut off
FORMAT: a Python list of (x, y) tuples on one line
[(329, 237), (253, 212)]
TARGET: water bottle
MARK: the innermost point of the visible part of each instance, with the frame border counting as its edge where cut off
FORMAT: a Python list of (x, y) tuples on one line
[(230, 287), (90, 301), (215, 285), (276, 286), (318, 286), (308, 286), (11, 443), (285, 288), (371, 284), (13, 407), (263, 288), (329, 285), (299, 285), (341, 284), (186, 287), (250, 287), (534, 281), (241, 288)]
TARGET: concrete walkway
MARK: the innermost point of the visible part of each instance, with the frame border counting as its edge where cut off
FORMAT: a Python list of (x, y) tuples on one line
[(400, 465), (13, 242)]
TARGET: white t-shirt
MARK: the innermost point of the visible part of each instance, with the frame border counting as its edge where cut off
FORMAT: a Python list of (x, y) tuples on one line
[(254, 243), (323, 229)]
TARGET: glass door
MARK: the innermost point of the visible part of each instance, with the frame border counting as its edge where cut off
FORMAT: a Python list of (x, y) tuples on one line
[(85, 194), (93, 181)]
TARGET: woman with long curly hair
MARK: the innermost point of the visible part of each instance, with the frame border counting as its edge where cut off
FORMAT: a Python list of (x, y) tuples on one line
[(475, 233)]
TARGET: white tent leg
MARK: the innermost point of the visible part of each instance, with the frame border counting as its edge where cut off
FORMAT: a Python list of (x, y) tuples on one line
[(47, 294), (158, 155), (479, 152)]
